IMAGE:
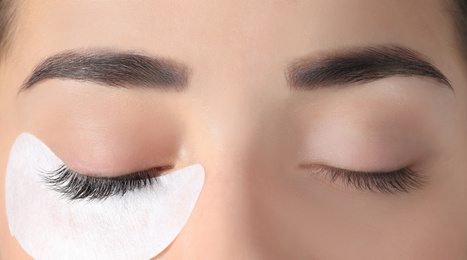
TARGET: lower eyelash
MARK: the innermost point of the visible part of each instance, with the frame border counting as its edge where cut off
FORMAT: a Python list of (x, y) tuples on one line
[(76, 186), (403, 180)]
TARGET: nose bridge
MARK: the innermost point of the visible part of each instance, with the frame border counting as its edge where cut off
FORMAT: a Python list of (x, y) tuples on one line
[(222, 219), (224, 123), (224, 140), (220, 224)]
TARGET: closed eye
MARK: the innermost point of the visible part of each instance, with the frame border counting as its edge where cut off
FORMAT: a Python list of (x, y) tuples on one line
[(76, 186), (399, 181)]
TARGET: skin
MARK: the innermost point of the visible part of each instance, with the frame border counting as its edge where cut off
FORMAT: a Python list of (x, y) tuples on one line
[(239, 120)]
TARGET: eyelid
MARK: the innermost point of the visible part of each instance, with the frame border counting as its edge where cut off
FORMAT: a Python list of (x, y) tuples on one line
[(76, 186), (403, 180)]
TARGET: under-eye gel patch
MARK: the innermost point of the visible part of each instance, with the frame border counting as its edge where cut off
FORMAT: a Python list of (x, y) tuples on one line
[(137, 225)]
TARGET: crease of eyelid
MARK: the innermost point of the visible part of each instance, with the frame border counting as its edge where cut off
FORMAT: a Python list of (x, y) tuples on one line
[(75, 186), (402, 180)]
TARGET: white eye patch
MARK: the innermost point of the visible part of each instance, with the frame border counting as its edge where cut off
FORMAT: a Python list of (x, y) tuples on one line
[(137, 225)]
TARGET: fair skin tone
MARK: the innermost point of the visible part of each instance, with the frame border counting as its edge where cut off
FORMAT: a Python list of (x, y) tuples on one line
[(250, 131)]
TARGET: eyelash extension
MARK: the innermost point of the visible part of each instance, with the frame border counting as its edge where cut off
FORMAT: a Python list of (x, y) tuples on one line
[(403, 180), (76, 186)]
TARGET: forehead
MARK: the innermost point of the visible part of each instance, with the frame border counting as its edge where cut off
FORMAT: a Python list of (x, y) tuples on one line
[(240, 35)]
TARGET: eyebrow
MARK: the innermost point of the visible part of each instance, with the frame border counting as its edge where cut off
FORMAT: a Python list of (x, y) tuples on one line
[(360, 65), (112, 68)]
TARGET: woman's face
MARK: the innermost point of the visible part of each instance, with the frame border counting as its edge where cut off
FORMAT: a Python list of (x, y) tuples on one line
[(268, 104)]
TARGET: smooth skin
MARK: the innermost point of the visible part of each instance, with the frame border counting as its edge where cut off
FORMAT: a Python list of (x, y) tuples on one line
[(239, 119)]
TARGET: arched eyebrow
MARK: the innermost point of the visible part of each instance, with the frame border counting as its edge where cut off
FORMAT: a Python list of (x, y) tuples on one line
[(360, 65), (112, 68), (124, 69)]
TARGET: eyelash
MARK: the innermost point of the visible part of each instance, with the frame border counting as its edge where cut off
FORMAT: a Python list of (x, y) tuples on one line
[(76, 186), (399, 181)]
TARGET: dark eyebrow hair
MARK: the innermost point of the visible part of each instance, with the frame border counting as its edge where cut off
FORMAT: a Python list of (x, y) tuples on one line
[(360, 65), (112, 68)]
